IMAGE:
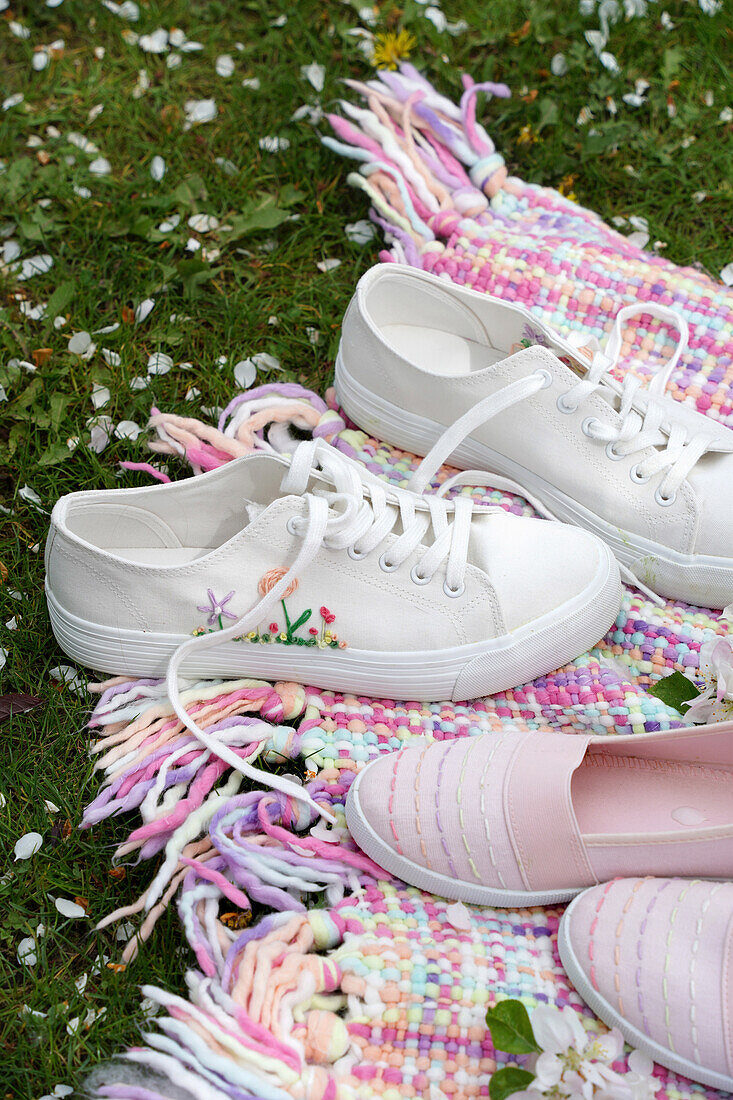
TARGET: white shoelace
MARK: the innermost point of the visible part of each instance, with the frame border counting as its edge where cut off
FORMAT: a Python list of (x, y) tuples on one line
[(678, 447), (356, 515)]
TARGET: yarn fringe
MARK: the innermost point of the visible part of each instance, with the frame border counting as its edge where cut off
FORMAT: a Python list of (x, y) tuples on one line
[(262, 1014)]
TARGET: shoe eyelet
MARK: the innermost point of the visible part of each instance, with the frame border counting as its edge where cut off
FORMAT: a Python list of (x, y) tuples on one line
[(354, 554), (636, 477), (454, 593), (612, 453), (564, 407), (585, 426), (387, 566), (663, 500), (545, 376), (292, 526), (417, 578)]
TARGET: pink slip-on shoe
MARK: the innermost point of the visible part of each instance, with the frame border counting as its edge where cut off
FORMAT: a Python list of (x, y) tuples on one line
[(528, 818), (654, 958)]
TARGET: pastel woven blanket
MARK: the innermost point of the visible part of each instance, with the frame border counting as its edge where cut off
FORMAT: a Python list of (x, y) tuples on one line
[(316, 977)]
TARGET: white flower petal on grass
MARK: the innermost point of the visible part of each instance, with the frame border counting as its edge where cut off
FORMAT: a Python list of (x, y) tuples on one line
[(726, 115), (203, 223), (100, 395), (157, 168), (176, 37), (191, 47), (69, 908), (192, 393), (314, 114), (315, 74), (65, 674), (82, 192), (245, 372), (138, 383), (11, 251), (252, 82), (51, 806), (157, 42), (313, 334), (144, 309), (18, 29), (224, 65), (79, 343), (264, 361), (279, 21), (360, 232), (227, 166), (127, 10), (12, 101), (28, 494), (127, 429), (159, 363), (35, 265), (199, 111), (558, 65), (727, 274), (79, 141), (100, 167), (437, 18), (169, 223), (142, 84), (26, 951), (272, 144), (328, 265), (99, 438), (192, 245), (40, 59), (27, 846), (173, 60), (95, 112), (111, 358)]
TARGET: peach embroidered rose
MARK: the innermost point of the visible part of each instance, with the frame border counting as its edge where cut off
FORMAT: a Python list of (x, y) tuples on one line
[(273, 577)]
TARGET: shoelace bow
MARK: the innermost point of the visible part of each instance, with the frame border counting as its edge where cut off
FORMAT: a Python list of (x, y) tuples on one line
[(356, 515), (678, 447)]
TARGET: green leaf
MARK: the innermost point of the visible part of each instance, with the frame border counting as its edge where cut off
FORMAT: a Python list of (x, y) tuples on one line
[(676, 691), (190, 190), (509, 1080), (549, 114), (194, 273), (303, 619), (59, 300), (262, 214), (289, 195), (510, 1027), (57, 452)]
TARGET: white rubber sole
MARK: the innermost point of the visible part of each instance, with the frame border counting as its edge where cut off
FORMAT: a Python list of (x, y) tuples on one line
[(611, 1018), (413, 874), (695, 578), (456, 673)]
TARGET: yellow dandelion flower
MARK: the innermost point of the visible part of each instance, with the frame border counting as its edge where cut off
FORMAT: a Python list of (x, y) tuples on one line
[(565, 187), (527, 136), (390, 48)]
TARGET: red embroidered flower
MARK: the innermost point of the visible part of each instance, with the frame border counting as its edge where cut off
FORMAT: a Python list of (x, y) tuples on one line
[(313, 630), (274, 628), (326, 615)]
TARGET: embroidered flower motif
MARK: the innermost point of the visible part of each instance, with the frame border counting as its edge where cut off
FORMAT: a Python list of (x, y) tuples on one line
[(273, 577), (318, 636), (217, 608)]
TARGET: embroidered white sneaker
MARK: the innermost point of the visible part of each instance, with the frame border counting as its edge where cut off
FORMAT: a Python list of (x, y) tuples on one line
[(311, 569), (456, 375)]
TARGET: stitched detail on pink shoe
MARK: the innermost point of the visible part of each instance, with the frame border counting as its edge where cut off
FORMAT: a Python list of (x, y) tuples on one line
[(591, 933), (617, 947), (390, 800), (418, 822), (443, 837), (640, 952), (484, 812), (694, 956), (727, 980), (461, 821), (666, 970)]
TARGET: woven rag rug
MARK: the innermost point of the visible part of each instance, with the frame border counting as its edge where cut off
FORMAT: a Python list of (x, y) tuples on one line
[(317, 976)]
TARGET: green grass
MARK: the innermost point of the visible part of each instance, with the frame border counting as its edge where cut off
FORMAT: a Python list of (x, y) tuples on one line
[(109, 256)]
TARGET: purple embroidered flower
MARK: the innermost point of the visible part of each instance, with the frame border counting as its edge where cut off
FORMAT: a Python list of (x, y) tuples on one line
[(217, 608), (534, 336)]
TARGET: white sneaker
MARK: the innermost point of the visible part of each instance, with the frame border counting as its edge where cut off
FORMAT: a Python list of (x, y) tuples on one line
[(314, 570), (651, 477)]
